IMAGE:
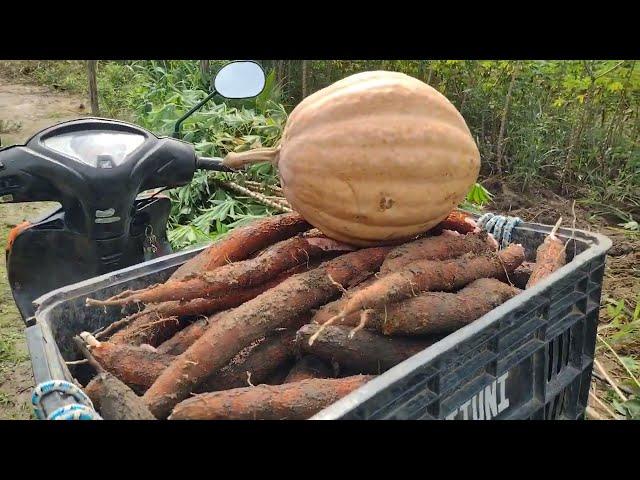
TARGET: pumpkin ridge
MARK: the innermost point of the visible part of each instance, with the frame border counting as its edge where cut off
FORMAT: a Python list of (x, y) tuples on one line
[(427, 169), (315, 134), (339, 112), (385, 90)]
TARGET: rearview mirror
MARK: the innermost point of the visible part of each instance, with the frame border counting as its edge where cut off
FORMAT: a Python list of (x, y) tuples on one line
[(239, 80)]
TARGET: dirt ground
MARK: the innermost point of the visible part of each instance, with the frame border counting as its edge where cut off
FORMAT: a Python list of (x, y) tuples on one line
[(26, 109)]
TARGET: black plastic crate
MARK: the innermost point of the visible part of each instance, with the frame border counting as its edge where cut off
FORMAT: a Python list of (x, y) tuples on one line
[(530, 358)]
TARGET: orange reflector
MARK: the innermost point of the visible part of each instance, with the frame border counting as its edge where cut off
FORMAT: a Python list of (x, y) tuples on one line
[(15, 231)]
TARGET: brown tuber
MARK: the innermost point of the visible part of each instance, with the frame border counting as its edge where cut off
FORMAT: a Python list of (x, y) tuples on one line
[(114, 400), (308, 367), (235, 276), (365, 352), (435, 312), (241, 326), (136, 366), (442, 247), (242, 242), (256, 366), (430, 275), (290, 401), (550, 256)]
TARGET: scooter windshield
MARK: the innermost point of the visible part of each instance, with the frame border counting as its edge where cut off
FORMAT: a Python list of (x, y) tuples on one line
[(97, 148)]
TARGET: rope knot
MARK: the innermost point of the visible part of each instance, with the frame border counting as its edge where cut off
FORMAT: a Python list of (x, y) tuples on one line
[(500, 226)]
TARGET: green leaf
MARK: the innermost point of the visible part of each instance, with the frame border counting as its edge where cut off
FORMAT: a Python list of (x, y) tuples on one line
[(615, 86), (630, 408), (478, 195), (620, 408), (632, 364), (633, 226), (263, 98)]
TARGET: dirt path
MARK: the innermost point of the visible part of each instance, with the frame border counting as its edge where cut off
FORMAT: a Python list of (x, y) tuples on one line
[(24, 110)]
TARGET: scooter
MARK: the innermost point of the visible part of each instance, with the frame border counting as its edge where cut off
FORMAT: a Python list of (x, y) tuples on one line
[(99, 171)]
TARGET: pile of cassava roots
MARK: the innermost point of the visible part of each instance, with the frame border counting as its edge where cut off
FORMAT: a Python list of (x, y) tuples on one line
[(277, 321)]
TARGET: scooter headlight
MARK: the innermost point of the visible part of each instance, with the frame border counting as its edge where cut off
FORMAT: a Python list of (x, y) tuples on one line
[(97, 148)]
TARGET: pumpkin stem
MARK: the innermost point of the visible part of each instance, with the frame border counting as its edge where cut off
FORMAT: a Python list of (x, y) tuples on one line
[(257, 155)]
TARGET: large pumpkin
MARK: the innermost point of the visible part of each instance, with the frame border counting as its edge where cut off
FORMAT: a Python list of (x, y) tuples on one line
[(374, 158)]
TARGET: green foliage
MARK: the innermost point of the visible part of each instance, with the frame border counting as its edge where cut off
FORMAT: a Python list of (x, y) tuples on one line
[(631, 226), (201, 211), (476, 199), (573, 126), (630, 408), (623, 334), (624, 322)]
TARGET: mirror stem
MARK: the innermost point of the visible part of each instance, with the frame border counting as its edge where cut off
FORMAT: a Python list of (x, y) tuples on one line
[(176, 129)]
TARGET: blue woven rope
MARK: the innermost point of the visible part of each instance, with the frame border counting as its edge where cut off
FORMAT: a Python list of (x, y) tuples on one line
[(75, 411), (500, 226), (82, 410)]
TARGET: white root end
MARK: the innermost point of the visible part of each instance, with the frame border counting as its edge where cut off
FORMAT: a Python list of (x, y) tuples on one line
[(340, 287), (552, 235), (364, 317), (313, 337), (89, 339)]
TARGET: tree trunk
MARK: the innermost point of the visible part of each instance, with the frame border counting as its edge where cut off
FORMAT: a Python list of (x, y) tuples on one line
[(290, 88), (93, 87), (421, 68), (503, 121), (205, 70), (430, 73), (280, 72), (304, 78), (576, 132), (618, 119)]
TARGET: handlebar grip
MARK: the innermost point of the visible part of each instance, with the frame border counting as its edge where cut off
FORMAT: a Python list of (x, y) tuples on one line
[(212, 163)]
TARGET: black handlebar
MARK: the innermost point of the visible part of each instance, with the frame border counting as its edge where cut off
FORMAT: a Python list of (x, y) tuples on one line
[(212, 163)]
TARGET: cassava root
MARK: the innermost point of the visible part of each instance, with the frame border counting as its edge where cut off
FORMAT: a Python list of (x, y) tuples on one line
[(290, 401), (239, 327)]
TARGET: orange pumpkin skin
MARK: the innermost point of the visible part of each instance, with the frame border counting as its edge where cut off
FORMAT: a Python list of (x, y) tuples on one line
[(375, 158)]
